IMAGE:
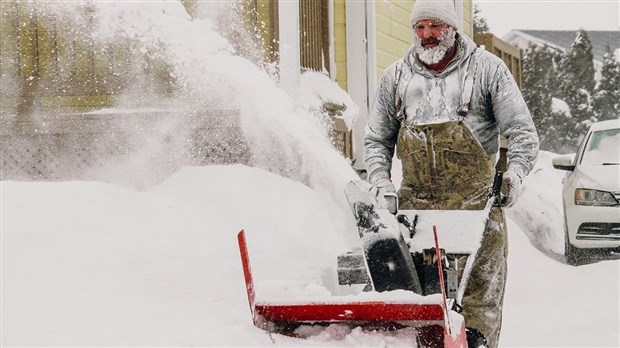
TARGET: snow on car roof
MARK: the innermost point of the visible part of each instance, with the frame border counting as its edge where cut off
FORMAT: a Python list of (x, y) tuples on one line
[(609, 124)]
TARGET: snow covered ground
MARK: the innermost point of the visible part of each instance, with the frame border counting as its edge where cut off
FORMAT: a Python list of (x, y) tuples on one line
[(103, 264), (94, 264)]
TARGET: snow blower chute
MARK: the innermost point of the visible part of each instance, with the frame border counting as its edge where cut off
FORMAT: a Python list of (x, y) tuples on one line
[(405, 285)]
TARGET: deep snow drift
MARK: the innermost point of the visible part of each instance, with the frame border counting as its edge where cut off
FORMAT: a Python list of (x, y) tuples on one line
[(88, 263)]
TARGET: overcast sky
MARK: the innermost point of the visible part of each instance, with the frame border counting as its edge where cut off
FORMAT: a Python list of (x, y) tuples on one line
[(504, 15)]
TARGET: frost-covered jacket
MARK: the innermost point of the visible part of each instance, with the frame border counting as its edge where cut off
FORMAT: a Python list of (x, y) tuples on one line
[(497, 106)]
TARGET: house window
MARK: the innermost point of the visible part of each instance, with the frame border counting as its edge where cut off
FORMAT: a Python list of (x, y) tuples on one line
[(314, 34)]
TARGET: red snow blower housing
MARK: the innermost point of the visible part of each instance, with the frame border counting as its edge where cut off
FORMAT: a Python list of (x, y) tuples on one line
[(405, 286)]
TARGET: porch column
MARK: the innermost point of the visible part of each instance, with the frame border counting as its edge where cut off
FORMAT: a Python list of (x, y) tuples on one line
[(361, 68), (289, 45)]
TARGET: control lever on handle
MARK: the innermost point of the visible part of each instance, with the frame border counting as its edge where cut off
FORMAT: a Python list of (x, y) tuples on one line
[(496, 190), (392, 202)]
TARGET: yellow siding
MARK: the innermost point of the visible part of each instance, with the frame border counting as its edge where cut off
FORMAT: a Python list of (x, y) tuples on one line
[(82, 61), (468, 14), (393, 32), (27, 40), (383, 24), (384, 59), (45, 48), (265, 23), (263, 9), (51, 62), (340, 53), (340, 43), (102, 63), (8, 44), (64, 50), (80, 102), (120, 57)]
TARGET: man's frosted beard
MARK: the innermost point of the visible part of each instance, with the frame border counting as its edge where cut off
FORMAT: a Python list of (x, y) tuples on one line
[(435, 54)]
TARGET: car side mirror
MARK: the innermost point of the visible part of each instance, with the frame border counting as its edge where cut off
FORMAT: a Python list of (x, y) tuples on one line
[(563, 163)]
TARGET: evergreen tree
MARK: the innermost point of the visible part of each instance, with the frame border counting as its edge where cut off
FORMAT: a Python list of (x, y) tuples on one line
[(540, 86), (480, 24), (606, 101), (577, 82), (535, 77)]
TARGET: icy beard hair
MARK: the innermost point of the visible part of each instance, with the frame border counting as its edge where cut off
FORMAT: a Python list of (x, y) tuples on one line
[(435, 54)]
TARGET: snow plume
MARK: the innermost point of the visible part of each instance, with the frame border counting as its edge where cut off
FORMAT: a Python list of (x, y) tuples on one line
[(281, 135), (208, 72)]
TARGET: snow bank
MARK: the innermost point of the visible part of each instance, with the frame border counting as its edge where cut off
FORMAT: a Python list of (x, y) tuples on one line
[(88, 263), (106, 265), (539, 212)]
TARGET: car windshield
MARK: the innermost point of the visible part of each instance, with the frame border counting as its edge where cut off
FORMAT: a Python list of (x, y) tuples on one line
[(603, 148)]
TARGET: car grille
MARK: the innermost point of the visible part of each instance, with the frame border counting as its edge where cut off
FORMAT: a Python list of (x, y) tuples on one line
[(599, 231)]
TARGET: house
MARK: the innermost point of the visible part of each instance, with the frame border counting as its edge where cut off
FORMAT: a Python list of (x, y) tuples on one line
[(353, 41), (350, 40), (563, 39), (56, 73)]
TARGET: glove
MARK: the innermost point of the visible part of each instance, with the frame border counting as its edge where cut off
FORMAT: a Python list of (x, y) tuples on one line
[(385, 194), (512, 186)]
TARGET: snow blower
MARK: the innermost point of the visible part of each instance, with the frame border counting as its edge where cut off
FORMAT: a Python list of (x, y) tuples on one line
[(408, 279)]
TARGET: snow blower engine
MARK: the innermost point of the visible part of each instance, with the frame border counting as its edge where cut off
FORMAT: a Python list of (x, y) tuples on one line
[(352, 271)]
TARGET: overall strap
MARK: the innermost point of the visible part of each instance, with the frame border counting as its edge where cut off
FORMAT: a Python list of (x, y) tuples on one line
[(468, 87), (398, 79)]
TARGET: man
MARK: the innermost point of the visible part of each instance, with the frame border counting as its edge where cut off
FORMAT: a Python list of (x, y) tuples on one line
[(444, 105)]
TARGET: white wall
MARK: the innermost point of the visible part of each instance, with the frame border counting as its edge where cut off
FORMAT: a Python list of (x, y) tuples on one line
[(357, 18), (289, 45)]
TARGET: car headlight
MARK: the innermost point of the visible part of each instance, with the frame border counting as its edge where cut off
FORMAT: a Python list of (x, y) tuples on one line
[(594, 197)]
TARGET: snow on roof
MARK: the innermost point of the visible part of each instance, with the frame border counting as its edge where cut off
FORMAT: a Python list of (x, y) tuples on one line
[(565, 38)]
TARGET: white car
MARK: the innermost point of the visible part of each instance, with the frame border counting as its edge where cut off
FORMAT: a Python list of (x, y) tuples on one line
[(591, 194)]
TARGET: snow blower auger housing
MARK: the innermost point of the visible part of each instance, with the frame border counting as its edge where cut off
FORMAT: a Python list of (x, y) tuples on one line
[(435, 325), (408, 281)]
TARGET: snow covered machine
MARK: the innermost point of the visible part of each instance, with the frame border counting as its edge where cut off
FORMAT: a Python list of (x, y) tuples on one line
[(407, 279)]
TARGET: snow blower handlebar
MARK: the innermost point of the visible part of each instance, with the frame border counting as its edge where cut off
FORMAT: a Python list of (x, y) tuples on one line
[(496, 189)]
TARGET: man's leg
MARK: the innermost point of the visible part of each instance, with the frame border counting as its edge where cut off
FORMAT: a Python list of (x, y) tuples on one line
[(484, 295)]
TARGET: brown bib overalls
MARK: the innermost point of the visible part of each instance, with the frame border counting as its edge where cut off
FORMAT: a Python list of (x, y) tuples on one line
[(445, 168)]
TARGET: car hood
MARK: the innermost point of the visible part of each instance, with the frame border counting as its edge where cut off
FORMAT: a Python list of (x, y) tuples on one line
[(599, 177)]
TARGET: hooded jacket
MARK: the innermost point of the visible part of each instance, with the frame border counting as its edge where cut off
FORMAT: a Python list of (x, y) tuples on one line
[(497, 107)]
